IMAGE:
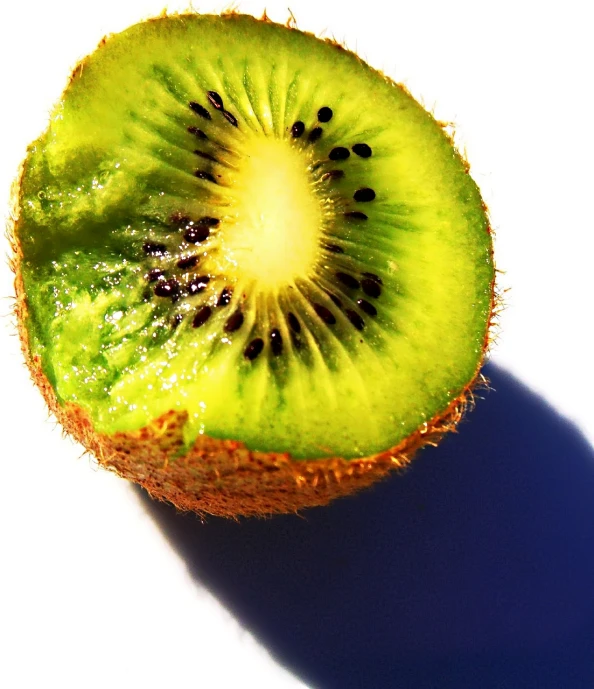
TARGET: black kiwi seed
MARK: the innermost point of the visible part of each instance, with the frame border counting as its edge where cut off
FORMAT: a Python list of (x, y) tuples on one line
[(325, 314), (294, 324), (188, 262), (339, 153), (334, 248), (215, 100), (153, 275), (200, 110), (177, 319), (225, 297), (254, 348), (315, 134), (297, 129), (198, 284), (201, 174), (365, 194), (154, 249), (371, 288), (202, 315), (362, 150), (367, 307), (325, 114), (206, 156), (230, 118), (167, 288), (333, 174), (234, 322), (355, 319), (355, 215), (348, 280), (198, 133), (196, 234), (276, 342), (374, 277)]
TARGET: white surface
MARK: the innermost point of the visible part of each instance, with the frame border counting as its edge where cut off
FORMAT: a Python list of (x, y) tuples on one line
[(81, 557)]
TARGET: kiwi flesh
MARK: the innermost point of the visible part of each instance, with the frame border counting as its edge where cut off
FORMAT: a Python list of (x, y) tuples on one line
[(252, 273)]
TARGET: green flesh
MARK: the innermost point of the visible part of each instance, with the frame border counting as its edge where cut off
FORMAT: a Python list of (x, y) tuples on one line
[(116, 171)]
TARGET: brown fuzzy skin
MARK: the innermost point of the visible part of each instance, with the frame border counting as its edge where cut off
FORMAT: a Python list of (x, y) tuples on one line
[(223, 477)]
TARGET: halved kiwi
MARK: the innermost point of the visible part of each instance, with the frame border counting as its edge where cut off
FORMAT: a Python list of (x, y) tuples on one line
[(252, 273)]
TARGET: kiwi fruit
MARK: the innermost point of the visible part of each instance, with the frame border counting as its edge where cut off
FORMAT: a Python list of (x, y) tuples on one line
[(252, 273)]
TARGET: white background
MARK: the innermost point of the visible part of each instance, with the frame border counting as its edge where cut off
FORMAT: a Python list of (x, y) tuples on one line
[(515, 78)]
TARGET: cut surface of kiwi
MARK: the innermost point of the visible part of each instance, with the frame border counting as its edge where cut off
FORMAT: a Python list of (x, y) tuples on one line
[(243, 228)]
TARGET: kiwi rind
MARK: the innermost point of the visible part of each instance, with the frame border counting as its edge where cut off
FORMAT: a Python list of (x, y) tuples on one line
[(223, 477)]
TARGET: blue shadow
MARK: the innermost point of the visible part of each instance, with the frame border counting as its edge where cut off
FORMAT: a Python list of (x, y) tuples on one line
[(473, 569)]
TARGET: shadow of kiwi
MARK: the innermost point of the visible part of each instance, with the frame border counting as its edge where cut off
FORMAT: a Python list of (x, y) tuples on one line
[(475, 568)]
